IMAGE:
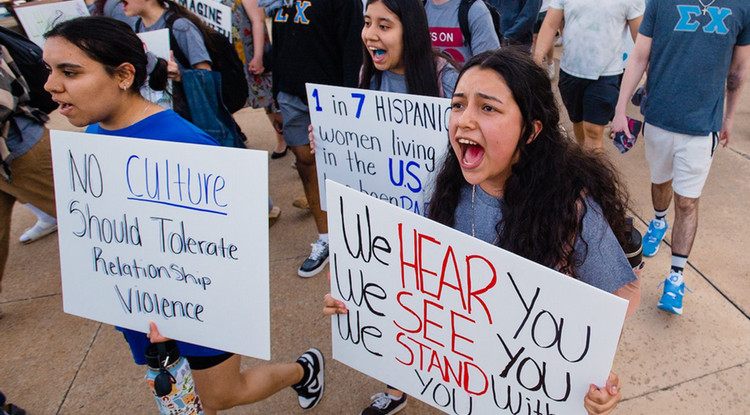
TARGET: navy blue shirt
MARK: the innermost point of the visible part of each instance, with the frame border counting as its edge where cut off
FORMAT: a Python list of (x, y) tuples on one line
[(689, 61)]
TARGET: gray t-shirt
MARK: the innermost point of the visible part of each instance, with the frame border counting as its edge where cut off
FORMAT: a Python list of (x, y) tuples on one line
[(603, 266), (689, 61), (445, 31), (188, 37), (393, 82)]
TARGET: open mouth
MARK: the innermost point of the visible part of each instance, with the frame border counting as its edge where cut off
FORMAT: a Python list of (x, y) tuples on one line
[(65, 108), (471, 153), (377, 54)]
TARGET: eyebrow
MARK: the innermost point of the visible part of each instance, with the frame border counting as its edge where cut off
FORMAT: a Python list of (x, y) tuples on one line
[(65, 65), (483, 95)]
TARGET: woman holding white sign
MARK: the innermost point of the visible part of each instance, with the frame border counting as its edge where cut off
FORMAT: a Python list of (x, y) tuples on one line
[(98, 66), (512, 178)]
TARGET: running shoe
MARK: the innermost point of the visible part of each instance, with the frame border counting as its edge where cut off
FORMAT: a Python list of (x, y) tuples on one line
[(310, 392), (383, 404), (671, 300), (316, 261), (651, 240)]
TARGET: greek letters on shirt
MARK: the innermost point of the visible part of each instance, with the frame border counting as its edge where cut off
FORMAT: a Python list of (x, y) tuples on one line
[(689, 19), (300, 7)]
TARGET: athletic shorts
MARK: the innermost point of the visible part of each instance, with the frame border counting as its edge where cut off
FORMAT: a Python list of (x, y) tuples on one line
[(684, 159), (589, 100), (296, 119)]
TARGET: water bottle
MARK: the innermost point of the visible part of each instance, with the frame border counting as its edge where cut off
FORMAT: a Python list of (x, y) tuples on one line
[(634, 246), (171, 381)]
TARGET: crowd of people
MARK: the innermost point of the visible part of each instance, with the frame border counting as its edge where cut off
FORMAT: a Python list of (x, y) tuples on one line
[(507, 156)]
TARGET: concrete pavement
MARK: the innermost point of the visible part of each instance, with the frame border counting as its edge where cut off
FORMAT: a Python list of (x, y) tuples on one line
[(53, 363)]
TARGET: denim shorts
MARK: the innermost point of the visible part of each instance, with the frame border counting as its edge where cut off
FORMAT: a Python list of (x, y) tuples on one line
[(296, 119)]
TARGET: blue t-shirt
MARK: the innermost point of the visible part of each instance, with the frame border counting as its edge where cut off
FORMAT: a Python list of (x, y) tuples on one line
[(689, 61), (164, 126), (602, 261)]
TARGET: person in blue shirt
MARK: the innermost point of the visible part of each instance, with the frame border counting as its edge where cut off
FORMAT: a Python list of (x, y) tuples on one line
[(98, 66)]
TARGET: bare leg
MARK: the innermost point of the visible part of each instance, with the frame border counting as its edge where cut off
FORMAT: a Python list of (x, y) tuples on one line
[(661, 195), (309, 175), (685, 224), (578, 131), (275, 119), (593, 136), (224, 386)]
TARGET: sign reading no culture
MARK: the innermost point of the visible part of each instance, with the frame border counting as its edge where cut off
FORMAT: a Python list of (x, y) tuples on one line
[(458, 323), (38, 17), (383, 144), (166, 232), (216, 15)]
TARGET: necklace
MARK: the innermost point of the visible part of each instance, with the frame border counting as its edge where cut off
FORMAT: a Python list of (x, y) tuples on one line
[(706, 6), (138, 118)]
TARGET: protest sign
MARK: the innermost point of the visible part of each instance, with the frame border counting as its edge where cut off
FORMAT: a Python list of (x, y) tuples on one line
[(216, 15), (38, 17), (157, 42), (384, 144), (167, 232), (458, 323)]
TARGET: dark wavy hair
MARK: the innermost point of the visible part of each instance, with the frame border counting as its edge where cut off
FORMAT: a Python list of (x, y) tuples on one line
[(543, 201), (418, 54), (111, 43)]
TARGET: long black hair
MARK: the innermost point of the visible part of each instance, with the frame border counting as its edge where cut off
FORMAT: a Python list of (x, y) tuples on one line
[(111, 43), (418, 55), (543, 200)]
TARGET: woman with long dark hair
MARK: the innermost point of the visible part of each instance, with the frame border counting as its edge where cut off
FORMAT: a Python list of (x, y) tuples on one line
[(512, 178), (98, 66), (399, 57)]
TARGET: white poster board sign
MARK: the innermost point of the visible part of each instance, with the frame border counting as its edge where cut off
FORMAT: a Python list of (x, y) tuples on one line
[(166, 232), (157, 42), (215, 14), (384, 144), (459, 323), (38, 17)]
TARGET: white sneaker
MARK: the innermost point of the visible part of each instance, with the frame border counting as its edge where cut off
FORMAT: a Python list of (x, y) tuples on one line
[(38, 231)]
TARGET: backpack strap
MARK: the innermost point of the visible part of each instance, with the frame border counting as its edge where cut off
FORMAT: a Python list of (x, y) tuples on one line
[(439, 67), (179, 55), (463, 20)]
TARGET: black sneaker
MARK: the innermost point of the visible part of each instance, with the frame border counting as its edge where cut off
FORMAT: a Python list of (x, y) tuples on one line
[(382, 404), (311, 391), (316, 261)]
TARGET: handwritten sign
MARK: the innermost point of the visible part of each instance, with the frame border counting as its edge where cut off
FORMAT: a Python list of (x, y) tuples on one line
[(215, 14), (458, 323), (38, 17), (157, 42), (166, 232), (383, 144)]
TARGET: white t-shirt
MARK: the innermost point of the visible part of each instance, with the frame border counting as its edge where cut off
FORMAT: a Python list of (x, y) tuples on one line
[(545, 6), (592, 40)]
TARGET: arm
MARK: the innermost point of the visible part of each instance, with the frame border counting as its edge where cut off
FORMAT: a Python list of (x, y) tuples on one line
[(738, 70), (633, 25), (257, 21), (637, 63), (546, 37)]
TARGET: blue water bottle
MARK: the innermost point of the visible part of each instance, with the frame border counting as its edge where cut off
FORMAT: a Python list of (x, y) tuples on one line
[(171, 381)]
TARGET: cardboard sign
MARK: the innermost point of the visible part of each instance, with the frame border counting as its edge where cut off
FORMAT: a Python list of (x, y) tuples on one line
[(166, 232), (383, 144), (458, 323), (216, 15), (38, 17), (157, 42)]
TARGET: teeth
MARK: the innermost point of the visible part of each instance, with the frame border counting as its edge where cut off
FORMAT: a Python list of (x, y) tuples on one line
[(465, 141)]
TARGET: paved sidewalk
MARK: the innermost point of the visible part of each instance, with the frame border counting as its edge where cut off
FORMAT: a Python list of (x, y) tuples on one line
[(53, 363)]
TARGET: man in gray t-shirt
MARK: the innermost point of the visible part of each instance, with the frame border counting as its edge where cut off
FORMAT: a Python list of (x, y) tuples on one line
[(445, 32), (696, 53)]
